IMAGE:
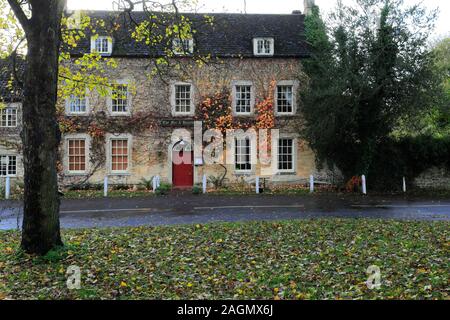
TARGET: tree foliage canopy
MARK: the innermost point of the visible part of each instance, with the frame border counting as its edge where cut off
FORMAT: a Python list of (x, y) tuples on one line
[(370, 68)]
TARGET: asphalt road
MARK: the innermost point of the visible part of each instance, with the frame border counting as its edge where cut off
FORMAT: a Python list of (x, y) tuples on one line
[(189, 209)]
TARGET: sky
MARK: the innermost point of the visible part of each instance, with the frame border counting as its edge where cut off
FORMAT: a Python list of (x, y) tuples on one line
[(275, 6)]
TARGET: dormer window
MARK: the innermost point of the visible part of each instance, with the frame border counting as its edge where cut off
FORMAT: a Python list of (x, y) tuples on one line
[(183, 46), (263, 46), (102, 45)]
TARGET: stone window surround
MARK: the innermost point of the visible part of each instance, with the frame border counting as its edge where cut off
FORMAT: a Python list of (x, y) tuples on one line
[(110, 45), (129, 100), (17, 107), (16, 164), (236, 83), (275, 143), (173, 84), (77, 136), (255, 46), (231, 156), (110, 137), (295, 86), (183, 51), (70, 113)]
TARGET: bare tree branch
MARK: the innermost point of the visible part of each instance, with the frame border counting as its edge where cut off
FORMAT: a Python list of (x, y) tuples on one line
[(20, 14), (14, 60)]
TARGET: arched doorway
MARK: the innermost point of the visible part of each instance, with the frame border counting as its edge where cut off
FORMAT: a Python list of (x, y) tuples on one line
[(182, 165)]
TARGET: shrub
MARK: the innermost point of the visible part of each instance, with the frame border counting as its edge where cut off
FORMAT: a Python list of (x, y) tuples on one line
[(147, 184), (217, 181), (197, 190), (122, 187), (163, 189), (86, 187)]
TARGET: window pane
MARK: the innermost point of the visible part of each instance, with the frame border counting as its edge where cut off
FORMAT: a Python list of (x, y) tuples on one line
[(8, 165), (77, 104), (120, 99), (182, 46), (285, 154), (243, 155), (183, 98), (119, 154), (264, 46), (8, 117), (102, 45), (243, 99), (285, 99), (77, 154)]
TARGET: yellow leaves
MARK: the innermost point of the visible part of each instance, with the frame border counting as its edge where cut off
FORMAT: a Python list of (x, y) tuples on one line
[(123, 284), (422, 271), (9, 250), (189, 285)]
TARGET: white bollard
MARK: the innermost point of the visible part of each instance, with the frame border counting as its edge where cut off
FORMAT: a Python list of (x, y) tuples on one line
[(364, 186), (404, 184), (257, 185), (311, 183), (154, 184), (158, 181), (105, 187), (204, 181), (7, 188)]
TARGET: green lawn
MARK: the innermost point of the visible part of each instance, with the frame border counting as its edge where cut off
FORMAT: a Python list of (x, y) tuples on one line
[(314, 259)]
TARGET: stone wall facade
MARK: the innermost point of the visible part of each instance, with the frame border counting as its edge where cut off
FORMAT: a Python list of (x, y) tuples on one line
[(150, 150)]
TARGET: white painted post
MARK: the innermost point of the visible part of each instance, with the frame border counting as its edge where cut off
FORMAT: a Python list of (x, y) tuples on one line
[(364, 186), (7, 188), (105, 187), (404, 184), (204, 184), (154, 184), (158, 181), (311, 184), (257, 185)]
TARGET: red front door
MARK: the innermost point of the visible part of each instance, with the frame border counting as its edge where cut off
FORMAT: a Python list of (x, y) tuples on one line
[(183, 169)]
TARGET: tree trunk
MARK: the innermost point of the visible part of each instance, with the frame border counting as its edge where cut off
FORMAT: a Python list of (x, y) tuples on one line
[(41, 135)]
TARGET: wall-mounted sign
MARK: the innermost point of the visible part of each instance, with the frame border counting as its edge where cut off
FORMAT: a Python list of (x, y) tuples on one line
[(177, 123)]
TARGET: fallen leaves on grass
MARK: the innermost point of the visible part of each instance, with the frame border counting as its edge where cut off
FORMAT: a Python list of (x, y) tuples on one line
[(316, 259)]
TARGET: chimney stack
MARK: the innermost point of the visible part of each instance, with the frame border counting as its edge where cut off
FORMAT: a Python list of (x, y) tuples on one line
[(308, 4)]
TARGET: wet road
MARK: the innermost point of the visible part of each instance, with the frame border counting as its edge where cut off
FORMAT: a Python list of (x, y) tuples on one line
[(189, 209)]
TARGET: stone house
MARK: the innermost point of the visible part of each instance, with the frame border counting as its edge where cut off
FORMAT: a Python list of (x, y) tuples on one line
[(254, 57)]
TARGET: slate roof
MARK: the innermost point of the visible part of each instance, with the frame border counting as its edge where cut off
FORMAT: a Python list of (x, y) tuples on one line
[(230, 35), (14, 92)]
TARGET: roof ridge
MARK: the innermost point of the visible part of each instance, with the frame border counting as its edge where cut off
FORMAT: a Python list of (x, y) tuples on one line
[(195, 13)]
